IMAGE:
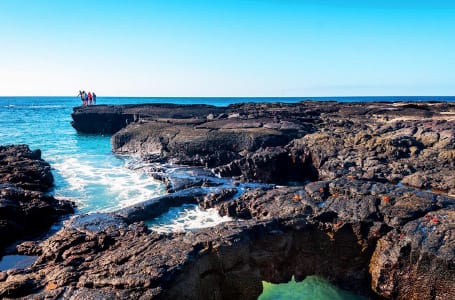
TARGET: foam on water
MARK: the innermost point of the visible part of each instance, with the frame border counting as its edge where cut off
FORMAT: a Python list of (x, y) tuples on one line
[(186, 218), (98, 186)]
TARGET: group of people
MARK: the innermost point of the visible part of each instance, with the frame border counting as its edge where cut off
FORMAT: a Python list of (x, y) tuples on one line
[(87, 98)]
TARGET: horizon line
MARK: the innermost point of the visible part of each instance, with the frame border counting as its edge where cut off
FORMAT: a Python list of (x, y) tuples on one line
[(331, 96)]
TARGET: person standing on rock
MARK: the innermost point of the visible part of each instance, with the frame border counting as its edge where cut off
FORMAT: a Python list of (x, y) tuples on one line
[(89, 98), (85, 98), (81, 94), (94, 98)]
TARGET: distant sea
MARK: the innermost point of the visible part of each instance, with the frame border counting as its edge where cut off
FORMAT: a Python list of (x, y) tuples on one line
[(83, 165)]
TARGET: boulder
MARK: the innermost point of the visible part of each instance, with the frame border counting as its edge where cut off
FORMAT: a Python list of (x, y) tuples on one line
[(24, 207)]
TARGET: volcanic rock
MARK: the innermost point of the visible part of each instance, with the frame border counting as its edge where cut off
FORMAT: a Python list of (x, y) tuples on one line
[(24, 168), (365, 200), (24, 208)]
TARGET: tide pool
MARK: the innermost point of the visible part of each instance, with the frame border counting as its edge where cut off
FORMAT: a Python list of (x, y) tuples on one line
[(8, 262), (311, 288)]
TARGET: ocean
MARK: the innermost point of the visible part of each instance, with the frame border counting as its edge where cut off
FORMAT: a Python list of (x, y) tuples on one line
[(85, 169)]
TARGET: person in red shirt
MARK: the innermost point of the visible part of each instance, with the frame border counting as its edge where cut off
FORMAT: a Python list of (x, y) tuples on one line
[(90, 98)]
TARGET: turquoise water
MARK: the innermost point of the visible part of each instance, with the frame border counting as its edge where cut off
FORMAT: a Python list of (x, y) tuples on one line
[(84, 167), (311, 288)]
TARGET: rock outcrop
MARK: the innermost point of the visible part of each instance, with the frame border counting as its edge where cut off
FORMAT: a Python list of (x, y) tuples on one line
[(365, 199), (277, 143), (24, 207), (108, 119), (24, 168)]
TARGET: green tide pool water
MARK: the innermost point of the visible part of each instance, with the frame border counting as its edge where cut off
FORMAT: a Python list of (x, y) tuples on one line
[(311, 288)]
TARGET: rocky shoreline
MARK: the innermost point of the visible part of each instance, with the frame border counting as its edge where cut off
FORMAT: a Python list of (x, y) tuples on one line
[(359, 193), (25, 208)]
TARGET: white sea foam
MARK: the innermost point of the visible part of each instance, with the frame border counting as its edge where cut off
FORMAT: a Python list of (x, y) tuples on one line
[(103, 186), (186, 218), (32, 106), (44, 106)]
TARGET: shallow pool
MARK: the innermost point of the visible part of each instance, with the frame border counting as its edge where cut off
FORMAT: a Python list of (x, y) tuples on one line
[(311, 288)]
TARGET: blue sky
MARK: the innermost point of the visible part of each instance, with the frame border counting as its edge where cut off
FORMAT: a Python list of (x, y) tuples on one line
[(227, 48)]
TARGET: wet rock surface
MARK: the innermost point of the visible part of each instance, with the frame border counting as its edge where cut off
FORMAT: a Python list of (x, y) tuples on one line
[(365, 199), (24, 207)]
